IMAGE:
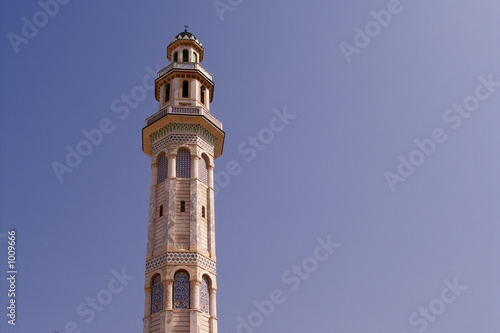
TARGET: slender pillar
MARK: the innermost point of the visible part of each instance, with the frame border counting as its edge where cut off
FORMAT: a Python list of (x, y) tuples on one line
[(195, 294), (172, 165), (213, 305)]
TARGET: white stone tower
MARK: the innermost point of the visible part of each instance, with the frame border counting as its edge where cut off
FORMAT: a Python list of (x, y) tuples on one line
[(183, 139)]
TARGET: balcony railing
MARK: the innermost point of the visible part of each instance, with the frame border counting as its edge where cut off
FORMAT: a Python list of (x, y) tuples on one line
[(185, 65), (183, 110)]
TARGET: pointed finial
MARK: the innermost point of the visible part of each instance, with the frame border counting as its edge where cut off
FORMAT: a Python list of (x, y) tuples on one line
[(186, 28)]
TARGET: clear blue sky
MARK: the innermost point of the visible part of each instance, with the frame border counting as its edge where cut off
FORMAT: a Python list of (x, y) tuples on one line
[(365, 104)]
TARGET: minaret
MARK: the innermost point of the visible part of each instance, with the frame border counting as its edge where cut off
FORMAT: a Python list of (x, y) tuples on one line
[(183, 139)]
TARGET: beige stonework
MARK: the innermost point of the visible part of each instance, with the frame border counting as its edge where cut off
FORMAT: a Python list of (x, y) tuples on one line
[(181, 224)]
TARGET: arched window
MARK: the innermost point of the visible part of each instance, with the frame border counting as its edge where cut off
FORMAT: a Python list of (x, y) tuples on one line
[(167, 92), (185, 56), (185, 89), (203, 169), (183, 163), (204, 296), (176, 56), (162, 169), (202, 94), (156, 295), (181, 290), (195, 57)]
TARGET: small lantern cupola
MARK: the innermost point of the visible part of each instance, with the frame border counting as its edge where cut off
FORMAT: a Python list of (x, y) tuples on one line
[(185, 48)]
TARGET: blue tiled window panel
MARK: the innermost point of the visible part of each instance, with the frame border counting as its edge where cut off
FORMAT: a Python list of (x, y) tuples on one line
[(183, 164), (156, 295), (204, 296), (181, 290)]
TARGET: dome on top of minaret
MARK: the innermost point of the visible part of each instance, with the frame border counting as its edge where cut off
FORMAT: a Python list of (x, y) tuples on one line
[(186, 35)]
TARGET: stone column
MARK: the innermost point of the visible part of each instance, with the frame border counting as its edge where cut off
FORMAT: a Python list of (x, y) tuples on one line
[(210, 176), (167, 305), (192, 89), (147, 305), (175, 92), (195, 162), (194, 286), (207, 99), (162, 97), (168, 289), (213, 311), (213, 305), (194, 305), (172, 165)]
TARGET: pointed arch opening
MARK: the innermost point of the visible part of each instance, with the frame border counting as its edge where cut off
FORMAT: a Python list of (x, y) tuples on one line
[(176, 56), (185, 56)]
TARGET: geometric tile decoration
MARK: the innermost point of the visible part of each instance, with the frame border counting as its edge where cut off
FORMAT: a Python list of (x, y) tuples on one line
[(182, 138), (181, 258), (181, 290), (204, 296), (157, 295), (183, 128)]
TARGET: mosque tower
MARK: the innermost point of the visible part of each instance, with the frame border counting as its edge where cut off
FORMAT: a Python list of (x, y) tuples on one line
[(183, 139)]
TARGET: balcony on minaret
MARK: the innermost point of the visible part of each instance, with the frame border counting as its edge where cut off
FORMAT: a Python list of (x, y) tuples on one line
[(187, 66), (186, 111)]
